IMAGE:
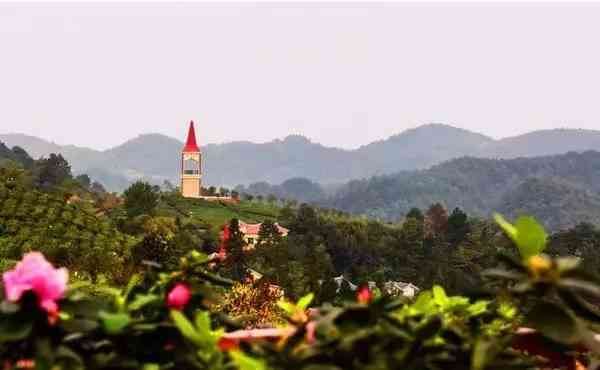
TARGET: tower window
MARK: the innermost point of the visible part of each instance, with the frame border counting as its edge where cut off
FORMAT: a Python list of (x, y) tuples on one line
[(191, 167)]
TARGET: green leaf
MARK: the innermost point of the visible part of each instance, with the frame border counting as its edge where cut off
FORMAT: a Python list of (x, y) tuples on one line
[(305, 301), (582, 286), (508, 228), (439, 296), (288, 307), (13, 328), (484, 353), (186, 328), (203, 327), (79, 325), (65, 353), (580, 306), (245, 362), (554, 322), (142, 300), (114, 323), (478, 308), (135, 280), (529, 236), (502, 274)]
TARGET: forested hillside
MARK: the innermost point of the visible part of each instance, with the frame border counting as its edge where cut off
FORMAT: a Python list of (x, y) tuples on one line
[(559, 190)]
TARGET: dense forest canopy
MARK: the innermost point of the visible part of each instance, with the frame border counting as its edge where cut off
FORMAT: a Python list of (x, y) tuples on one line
[(561, 191)]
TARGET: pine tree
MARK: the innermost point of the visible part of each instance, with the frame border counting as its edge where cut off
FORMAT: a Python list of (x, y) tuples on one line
[(237, 263)]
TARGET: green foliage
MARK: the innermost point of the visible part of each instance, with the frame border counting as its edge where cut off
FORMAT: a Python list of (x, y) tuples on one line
[(237, 263), (51, 172), (132, 327), (527, 234), (135, 326), (16, 155), (68, 234), (560, 191), (140, 198), (434, 332)]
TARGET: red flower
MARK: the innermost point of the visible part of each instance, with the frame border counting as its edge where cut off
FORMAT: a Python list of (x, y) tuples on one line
[(228, 344), (179, 296), (364, 295)]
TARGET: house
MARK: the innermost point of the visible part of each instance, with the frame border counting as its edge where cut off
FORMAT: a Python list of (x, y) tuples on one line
[(250, 232), (397, 288), (393, 288)]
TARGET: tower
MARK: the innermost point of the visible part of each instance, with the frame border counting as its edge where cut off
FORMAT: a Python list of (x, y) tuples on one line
[(191, 166)]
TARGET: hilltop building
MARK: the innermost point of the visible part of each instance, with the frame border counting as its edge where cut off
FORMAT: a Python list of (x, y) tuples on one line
[(191, 166)]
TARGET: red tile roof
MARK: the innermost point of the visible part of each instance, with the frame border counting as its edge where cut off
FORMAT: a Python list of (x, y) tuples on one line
[(252, 229), (190, 144)]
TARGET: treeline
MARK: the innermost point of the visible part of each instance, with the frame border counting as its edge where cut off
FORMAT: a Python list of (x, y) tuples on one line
[(298, 189), (427, 248), (560, 191), (46, 173)]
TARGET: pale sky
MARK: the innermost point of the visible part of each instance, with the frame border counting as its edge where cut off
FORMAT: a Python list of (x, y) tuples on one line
[(342, 75)]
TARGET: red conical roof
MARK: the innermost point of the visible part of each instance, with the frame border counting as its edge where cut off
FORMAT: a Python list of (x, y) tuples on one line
[(190, 144)]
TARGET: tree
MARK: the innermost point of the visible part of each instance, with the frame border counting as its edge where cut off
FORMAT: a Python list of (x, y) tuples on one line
[(272, 198), (458, 226), (416, 214), (268, 235), (97, 187), (52, 171), (158, 244), (234, 247), (168, 186), (436, 221), (271, 256), (21, 156), (212, 191), (140, 198), (84, 180)]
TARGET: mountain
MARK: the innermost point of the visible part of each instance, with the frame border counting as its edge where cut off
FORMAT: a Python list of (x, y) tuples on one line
[(155, 157), (560, 190), (78, 157), (542, 143), (422, 147)]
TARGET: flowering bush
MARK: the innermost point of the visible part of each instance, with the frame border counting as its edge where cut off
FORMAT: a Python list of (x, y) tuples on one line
[(163, 320), (255, 305)]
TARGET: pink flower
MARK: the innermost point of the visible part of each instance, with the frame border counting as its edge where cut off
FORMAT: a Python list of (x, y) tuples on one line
[(34, 273), (179, 296)]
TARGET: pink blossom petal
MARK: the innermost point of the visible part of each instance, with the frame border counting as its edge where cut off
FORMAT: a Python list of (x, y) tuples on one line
[(34, 273)]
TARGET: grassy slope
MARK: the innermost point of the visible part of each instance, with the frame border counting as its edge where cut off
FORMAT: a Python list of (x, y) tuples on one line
[(217, 214)]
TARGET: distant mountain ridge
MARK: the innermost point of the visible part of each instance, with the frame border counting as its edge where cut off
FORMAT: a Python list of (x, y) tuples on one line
[(560, 190), (155, 157)]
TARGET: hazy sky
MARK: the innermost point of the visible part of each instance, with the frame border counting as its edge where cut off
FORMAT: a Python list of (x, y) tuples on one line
[(343, 75)]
